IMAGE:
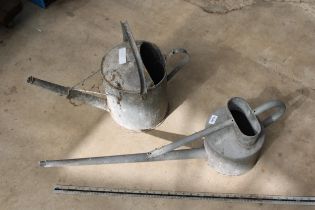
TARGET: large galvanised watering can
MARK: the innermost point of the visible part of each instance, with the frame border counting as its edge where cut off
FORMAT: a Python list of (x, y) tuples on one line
[(233, 138), (135, 83)]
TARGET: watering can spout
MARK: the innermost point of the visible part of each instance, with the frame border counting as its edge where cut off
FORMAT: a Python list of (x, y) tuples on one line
[(198, 153), (70, 93)]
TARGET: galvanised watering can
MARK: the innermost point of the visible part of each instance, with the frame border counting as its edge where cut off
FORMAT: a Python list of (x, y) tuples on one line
[(233, 138), (135, 83)]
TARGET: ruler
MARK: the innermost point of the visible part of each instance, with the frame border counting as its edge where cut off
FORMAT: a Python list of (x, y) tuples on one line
[(226, 197)]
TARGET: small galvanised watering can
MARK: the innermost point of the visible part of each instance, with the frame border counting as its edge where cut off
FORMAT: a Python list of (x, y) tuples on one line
[(135, 83), (233, 138)]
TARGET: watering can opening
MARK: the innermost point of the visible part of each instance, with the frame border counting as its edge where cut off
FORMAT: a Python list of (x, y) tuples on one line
[(244, 117), (153, 62)]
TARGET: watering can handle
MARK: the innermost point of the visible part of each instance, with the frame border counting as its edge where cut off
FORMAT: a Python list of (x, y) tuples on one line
[(127, 36), (181, 64), (279, 105)]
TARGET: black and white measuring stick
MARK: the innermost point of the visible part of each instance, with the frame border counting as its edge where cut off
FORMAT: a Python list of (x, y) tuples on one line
[(227, 197)]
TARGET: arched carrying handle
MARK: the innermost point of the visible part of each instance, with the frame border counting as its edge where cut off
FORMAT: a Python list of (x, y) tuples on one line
[(127, 36), (179, 65), (280, 109)]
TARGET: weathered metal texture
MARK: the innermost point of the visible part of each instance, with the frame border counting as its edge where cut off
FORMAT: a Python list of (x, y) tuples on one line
[(198, 135), (125, 76), (129, 158), (233, 138), (137, 89), (128, 106), (145, 79), (135, 83), (235, 149), (134, 112), (70, 93)]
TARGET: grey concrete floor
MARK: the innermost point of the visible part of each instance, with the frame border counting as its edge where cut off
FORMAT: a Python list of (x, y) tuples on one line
[(261, 52)]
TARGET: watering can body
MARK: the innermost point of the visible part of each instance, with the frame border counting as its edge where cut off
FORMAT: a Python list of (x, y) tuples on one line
[(127, 105), (235, 149)]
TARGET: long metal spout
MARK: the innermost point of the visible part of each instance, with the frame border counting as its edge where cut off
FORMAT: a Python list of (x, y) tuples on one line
[(188, 139), (199, 153), (75, 94)]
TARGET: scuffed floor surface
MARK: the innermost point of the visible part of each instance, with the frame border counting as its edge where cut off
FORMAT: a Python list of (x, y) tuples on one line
[(261, 52)]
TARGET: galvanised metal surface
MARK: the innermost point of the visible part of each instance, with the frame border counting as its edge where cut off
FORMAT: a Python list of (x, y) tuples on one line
[(137, 90), (198, 153), (135, 111), (135, 83), (233, 138), (70, 93), (235, 149), (169, 147)]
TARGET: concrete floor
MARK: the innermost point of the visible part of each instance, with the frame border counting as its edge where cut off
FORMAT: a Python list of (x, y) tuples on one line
[(261, 52)]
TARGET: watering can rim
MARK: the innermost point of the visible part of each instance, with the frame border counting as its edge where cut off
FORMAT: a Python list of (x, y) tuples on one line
[(149, 69), (252, 113), (242, 139), (139, 43)]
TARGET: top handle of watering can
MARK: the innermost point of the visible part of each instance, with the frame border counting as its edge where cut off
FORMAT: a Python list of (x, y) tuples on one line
[(280, 109), (127, 36), (179, 65)]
